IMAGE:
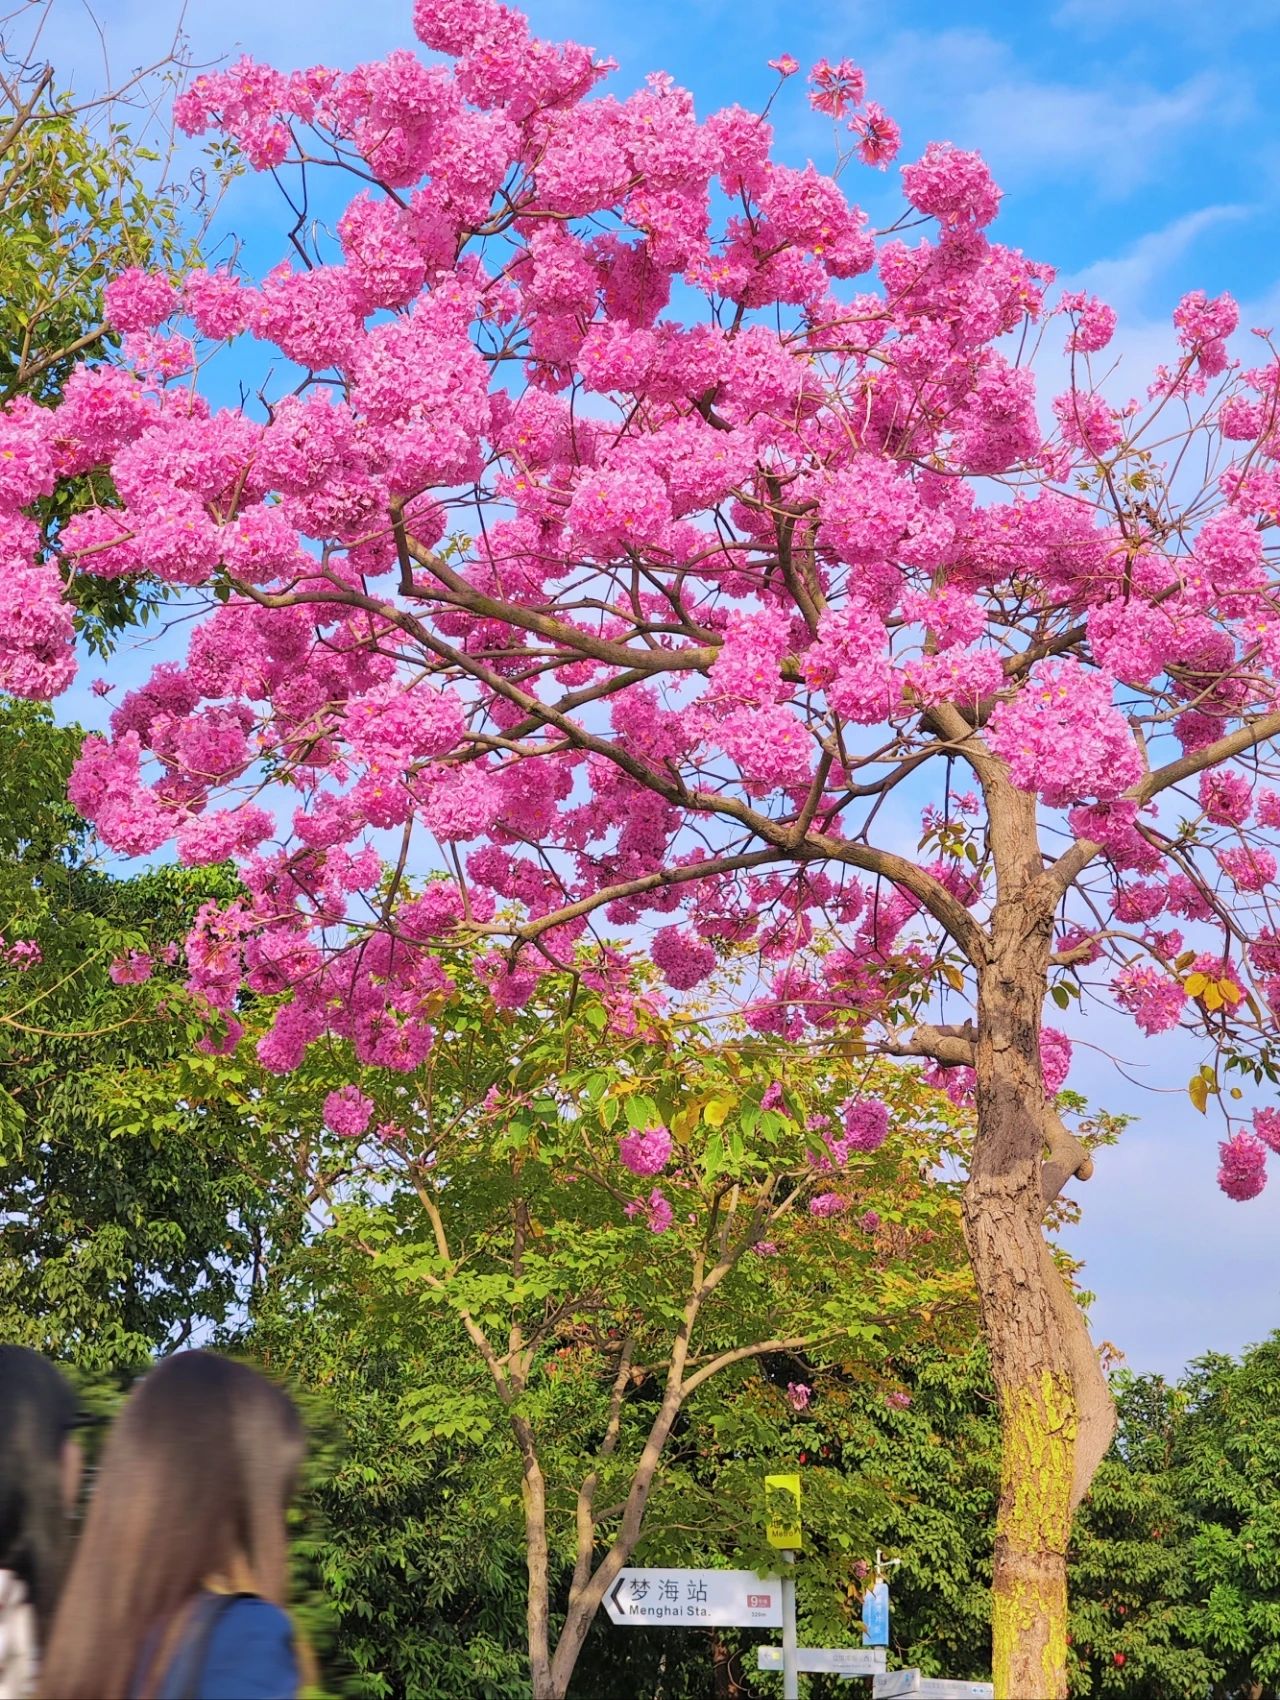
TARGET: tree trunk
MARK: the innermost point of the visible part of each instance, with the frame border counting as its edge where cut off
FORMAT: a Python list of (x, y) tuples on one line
[(537, 1599), (1054, 1407)]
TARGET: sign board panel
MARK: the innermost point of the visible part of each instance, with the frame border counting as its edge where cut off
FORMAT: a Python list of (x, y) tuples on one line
[(910, 1685), (875, 1616), (782, 1508), (841, 1661), (695, 1599)]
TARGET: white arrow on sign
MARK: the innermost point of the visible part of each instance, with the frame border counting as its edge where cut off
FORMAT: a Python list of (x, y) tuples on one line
[(841, 1661), (695, 1599), (910, 1685)]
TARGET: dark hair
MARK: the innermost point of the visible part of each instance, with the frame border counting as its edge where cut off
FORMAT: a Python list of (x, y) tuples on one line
[(37, 1413), (193, 1484)]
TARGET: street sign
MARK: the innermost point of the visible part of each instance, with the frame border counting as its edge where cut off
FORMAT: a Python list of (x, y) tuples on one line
[(782, 1508), (695, 1599), (875, 1615), (841, 1661), (910, 1685)]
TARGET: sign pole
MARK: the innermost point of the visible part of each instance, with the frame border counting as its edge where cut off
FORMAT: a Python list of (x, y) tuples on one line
[(785, 1535), (790, 1665)]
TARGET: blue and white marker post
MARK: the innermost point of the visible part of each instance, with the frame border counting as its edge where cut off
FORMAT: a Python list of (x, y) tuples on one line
[(875, 1604)]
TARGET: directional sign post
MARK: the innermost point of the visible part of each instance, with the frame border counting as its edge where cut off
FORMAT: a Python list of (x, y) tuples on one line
[(695, 1599), (837, 1661), (910, 1685)]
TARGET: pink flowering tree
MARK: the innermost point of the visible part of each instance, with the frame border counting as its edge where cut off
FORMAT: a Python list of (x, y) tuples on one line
[(628, 529)]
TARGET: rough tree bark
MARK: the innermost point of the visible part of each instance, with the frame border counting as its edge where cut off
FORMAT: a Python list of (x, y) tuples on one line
[(1055, 1408)]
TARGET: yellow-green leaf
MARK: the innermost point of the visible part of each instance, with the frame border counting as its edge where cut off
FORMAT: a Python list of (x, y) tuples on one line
[(1198, 1092), (716, 1113), (1195, 985)]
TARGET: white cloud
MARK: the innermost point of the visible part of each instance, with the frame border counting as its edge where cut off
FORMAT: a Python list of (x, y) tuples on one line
[(1127, 279), (1187, 17), (1112, 132)]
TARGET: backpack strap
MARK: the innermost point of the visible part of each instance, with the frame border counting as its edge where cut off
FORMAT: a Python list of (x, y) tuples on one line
[(193, 1650)]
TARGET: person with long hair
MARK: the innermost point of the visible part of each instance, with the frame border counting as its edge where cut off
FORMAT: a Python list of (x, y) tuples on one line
[(178, 1585), (39, 1475)]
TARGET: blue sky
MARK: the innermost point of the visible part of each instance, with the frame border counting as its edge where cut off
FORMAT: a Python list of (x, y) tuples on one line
[(1140, 154)]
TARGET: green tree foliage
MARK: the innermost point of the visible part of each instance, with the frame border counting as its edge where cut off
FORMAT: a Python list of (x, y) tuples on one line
[(1177, 1553), (483, 1237), (127, 1220), (1174, 1561), (420, 1548)]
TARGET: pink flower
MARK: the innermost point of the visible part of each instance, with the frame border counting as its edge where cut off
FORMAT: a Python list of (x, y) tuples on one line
[(765, 1248), (1266, 1124), (771, 1098), (1248, 870), (24, 954), (101, 688), (827, 1204), (799, 1393), (1062, 736), (953, 186), (1055, 1059), (657, 1211), (836, 87), (1203, 327), (898, 1401), (685, 960), (646, 1153), (869, 1221), (37, 633), (785, 65), (130, 970), (1225, 796), (1094, 322), (347, 1112), (866, 1127), (1242, 1173), (217, 302), (880, 136), (1153, 999), (139, 300)]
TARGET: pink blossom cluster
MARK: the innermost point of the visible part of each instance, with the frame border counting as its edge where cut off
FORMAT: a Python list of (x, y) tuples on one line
[(1266, 1125), (1242, 1173), (22, 953), (1064, 738), (1152, 998), (866, 1127), (825, 1204), (347, 1112), (647, 1152), (131, 969)]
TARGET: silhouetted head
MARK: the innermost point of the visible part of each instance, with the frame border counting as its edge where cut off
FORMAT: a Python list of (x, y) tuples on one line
[(37, 1419), (192, 1488)]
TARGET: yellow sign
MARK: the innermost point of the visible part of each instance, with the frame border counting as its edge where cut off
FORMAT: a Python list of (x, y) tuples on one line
[(782, 1508)]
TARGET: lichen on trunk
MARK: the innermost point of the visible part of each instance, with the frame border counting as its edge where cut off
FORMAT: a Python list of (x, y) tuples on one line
[(1044, 1368)]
